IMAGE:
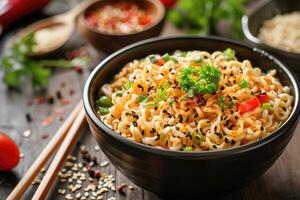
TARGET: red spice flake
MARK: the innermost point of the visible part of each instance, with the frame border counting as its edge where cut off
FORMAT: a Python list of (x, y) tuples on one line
[(121, 188), (48, 120), (64, 101), (72, 92), (40, 100), (59, 111), (78, 69), (44, 136)]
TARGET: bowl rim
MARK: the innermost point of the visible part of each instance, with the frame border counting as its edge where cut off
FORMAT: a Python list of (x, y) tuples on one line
[(293, 118), (161, 14), (256, 40)]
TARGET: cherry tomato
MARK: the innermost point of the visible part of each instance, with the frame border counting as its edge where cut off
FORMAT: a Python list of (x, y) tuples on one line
[(169, 3), (9, 153)]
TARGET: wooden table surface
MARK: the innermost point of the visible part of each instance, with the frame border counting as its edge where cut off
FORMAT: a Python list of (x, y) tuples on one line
[(281, 181)]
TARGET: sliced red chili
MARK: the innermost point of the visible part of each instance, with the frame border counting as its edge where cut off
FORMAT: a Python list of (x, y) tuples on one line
[(263, 98)]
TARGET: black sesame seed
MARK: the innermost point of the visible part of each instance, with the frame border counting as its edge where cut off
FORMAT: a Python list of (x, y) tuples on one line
[(28, 117), (135, 124), (58, 95), (214, 146), (226, 139), (143, 132)]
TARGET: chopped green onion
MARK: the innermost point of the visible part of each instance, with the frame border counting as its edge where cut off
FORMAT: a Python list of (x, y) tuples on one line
[(149, 104), (266, 106), (119, 94), (104, 101), (243, 83), (231, 104), (162, 92), (103, 111), (198, 138), (172, 101), (229, 54), (191, 93), (183, 53), (141, 98), (221, 102), (128, 85), (174, 59), (184, 98), (153, 59), (188, 149), (166, 57)]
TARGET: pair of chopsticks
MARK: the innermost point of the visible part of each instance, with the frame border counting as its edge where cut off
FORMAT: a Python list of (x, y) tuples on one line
[(63, 140)]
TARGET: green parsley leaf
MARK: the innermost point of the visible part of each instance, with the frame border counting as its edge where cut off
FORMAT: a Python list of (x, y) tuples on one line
[(229, 54), (162, 92), (119, 94), (243, 83), (203, 81)]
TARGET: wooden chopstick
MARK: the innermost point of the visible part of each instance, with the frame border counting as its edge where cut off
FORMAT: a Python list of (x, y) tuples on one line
[(59, 158), (44, 157)]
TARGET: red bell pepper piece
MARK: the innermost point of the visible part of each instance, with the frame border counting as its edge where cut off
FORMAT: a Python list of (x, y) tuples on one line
[(160, 62), (249, 105), (263, 98)]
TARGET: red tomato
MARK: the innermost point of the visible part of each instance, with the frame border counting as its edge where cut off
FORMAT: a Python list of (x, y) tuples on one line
[(249, 105), (9, 153), (263, 98), (169, 3), (144, 20)]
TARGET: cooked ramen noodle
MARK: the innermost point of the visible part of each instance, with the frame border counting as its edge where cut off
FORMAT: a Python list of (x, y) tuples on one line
[(194, 101), (282, 31)]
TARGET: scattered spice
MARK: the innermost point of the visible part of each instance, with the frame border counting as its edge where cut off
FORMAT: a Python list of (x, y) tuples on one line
[(27, 133), (121, 188), (28, 117), (48, 120)]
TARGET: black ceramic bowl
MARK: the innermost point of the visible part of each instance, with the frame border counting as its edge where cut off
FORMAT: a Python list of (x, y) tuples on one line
[(264, 11), (185, 173)]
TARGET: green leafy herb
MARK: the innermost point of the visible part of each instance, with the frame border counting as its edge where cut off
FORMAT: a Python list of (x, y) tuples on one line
[(119, 94), (153, 59), (141, 98), (243, 83), (266, 106), (103, 111), (174, 59), (172, 101), (104, 101), (128, 85), (184, 98), (187, 149), (204, 16), (221, 102), (162, 92), (229, 54), (18, 65), (201, 81)]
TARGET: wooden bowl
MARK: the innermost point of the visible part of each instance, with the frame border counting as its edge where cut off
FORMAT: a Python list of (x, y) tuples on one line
[(108, 42)]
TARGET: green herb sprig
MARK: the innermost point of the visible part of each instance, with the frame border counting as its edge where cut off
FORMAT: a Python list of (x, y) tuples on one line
[(200, 81), (18, 65)]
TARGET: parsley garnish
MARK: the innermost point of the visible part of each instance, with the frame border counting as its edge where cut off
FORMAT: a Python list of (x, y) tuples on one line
[(200, 81), (221, 102), (128, 85), (162, 92), (18, 65)]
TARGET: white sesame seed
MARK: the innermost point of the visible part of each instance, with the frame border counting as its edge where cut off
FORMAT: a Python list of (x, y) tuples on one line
[(78, 195), (97, 148), (27, 133), (104, 164)]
